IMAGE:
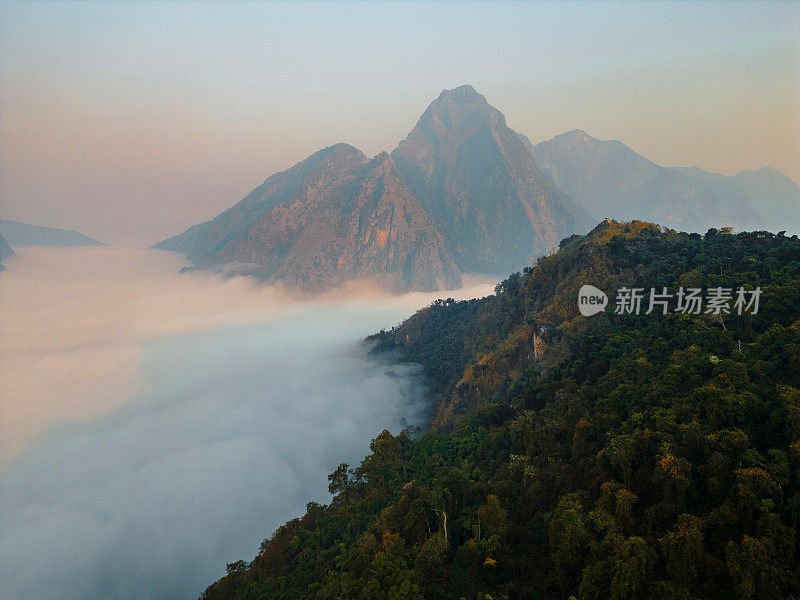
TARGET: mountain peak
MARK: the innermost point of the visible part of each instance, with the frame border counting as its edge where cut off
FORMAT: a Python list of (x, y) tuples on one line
[(764, 172), (576, 135), (460, 108), (479, 180), (329, 159), (454, 116), (462, 92), (340, 150)]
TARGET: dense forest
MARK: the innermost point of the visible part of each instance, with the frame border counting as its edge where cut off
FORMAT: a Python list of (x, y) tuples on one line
[(615, 456)]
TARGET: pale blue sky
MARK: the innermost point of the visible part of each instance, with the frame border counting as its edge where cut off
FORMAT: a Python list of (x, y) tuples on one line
[(130, 121)]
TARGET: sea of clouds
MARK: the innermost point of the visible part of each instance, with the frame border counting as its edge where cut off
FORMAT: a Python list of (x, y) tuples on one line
[(155, 426)]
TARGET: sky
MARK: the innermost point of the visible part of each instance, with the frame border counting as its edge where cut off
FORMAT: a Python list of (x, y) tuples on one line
[(173, 421), (131, 121)]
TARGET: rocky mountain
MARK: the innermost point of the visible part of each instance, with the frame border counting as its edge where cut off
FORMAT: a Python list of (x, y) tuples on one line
[(5, 251), (460, 194), (608, 179), (480, 183), (22, 234), (333, 217)]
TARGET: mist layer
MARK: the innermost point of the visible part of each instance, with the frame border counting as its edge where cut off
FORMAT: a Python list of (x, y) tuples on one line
[(156, 425)]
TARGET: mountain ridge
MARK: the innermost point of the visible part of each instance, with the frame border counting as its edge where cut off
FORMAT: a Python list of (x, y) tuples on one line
[(463, 192), (459, 194), (460, 154)]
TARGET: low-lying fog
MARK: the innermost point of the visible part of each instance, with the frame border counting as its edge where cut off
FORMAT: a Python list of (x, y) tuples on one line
[(155, 426)]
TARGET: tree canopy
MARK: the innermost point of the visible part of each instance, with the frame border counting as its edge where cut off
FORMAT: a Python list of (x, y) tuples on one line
[(614, 456)]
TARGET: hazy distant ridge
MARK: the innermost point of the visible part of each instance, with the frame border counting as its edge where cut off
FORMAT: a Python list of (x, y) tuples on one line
[(22, 234), (771, 193), (609, 179)]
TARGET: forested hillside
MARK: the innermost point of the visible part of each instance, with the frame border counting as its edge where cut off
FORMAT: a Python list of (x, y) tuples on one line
[(617, 456)]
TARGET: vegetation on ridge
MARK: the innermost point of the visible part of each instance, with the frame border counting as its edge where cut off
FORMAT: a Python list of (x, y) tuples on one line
[(617, 456)]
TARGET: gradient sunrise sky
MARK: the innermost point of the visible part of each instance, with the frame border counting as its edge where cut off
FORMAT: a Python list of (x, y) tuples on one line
[(131, 121)]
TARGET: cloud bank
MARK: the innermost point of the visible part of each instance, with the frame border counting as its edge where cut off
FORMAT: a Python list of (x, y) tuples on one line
[(156, 426)]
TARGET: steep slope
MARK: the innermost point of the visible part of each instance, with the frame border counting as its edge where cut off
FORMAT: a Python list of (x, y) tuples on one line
[(489, 200), (610, 180), (622, 456), (22, 234), (5, 251), (771, 193), (334, 217)]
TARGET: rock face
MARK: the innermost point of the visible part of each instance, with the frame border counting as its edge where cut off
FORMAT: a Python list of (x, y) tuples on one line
[(608, 179), (479, 181), (335, 216), (350, 218), (460, 193)]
